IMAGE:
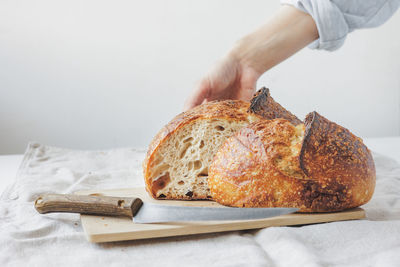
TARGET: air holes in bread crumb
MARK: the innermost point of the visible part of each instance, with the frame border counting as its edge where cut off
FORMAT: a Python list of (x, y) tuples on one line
[(219, 128), (201, 144), (188, 140), (197, 164), (184, 149), (203, 173), (181, 182), (157, 161), (190, 165), (161, 182), (162, 168)]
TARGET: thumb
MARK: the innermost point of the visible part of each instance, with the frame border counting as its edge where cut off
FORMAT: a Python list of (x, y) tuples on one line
[(246, 93), (198, 95), (248, 86)]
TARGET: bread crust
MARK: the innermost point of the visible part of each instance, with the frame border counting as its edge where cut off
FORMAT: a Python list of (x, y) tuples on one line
[(264, 105), (332, 171), (232, 110)]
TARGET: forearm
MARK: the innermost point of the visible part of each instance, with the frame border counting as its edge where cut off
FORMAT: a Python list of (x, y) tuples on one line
[(288, 31)]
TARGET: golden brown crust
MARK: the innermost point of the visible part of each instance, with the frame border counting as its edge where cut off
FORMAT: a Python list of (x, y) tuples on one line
[(333, 170), (232, 110), (333, 156), (264, 105)]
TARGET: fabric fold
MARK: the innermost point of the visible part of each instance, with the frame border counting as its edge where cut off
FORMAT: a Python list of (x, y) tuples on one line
[(335, 19), (58, 239)]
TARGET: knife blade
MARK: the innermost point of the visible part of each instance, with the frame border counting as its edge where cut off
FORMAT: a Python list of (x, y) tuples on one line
[(148, 212), (153, 213)]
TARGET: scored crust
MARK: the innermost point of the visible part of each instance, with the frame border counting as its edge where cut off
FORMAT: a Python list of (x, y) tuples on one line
[(317, 166)]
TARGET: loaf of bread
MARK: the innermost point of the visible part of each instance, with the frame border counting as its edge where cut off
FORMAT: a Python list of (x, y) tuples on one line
[(317, 166), (266, 157), (178, 158)]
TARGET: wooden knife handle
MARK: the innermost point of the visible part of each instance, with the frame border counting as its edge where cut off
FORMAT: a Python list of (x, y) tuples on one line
[(98, 205)]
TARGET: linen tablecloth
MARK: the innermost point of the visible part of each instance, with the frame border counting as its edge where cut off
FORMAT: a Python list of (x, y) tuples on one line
[(30, 239)]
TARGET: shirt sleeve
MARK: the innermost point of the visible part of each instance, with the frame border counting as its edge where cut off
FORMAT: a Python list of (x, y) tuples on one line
[(336, 18)]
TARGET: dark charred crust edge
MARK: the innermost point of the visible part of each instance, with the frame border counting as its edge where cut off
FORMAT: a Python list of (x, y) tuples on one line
[(258, 99), (318, 199), (265, 106)]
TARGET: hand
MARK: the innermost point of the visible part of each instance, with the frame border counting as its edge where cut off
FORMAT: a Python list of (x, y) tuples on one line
[(229, 79), (235, 76)]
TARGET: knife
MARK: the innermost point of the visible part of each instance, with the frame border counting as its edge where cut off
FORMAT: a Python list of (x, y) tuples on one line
[(144, 212)]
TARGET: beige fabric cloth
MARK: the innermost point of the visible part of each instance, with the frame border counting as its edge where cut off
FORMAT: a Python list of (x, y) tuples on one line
[(27, 238)]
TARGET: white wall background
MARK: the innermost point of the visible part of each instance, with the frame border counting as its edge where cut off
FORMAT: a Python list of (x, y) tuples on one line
[(102, 74)]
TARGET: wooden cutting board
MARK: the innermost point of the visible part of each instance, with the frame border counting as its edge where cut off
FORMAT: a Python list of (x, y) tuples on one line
[(107, 229)]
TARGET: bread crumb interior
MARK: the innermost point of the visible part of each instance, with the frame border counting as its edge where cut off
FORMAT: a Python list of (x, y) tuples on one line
[(186, 156)]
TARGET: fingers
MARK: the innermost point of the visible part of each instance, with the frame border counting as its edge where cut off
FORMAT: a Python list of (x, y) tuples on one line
[(227, 80), (198, 95), (216, 85)]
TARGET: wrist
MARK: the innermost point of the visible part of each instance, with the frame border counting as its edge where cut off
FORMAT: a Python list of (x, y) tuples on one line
[(245, 52), (283, 35)]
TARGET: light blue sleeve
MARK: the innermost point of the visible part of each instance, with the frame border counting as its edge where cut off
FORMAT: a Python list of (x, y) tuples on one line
[(336, 18)]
